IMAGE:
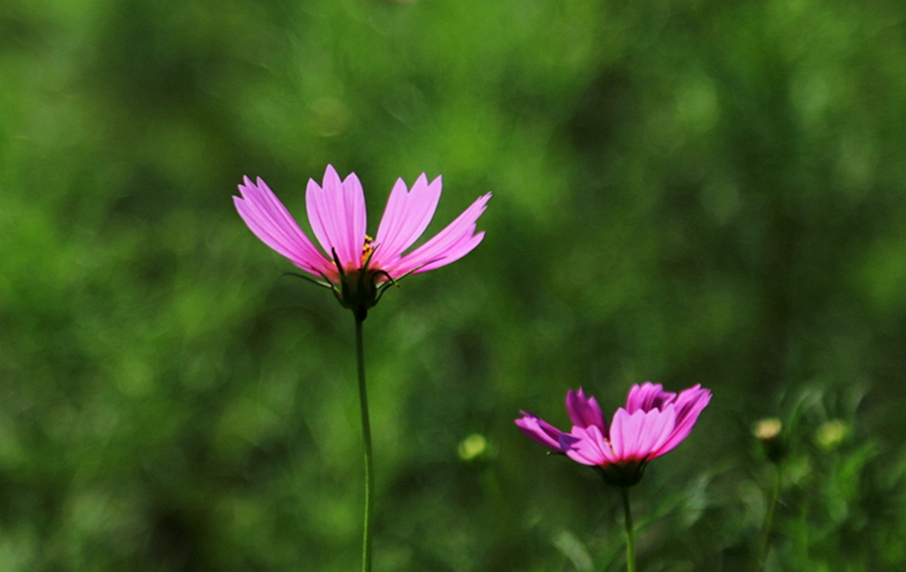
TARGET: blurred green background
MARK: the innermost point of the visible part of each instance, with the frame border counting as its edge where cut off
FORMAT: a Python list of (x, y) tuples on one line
[(686, 191)]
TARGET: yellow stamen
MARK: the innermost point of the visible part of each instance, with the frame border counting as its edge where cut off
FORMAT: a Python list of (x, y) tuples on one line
[(366, 250)]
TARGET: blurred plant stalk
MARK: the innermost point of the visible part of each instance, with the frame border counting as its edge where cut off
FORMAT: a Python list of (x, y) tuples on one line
[(769, 434)]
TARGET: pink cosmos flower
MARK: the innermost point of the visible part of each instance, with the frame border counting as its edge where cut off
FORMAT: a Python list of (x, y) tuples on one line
[(356, 267), (653, 422)]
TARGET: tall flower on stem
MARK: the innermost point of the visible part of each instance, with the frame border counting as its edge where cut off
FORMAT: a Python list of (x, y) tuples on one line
[(653, 422), (357, 268)]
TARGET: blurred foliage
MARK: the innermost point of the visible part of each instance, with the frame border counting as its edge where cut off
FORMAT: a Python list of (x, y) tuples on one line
[(687, 191)]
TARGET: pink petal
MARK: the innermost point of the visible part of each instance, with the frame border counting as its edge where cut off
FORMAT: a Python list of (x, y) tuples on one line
[(405, 218), (636, 436), (337, 216), (656, 430), (539, 431), (587, 446), (319, 215), (454, 252), (623, 430), (269, 220), (584, 412), (689, 405), (449, 245), (648, 396)]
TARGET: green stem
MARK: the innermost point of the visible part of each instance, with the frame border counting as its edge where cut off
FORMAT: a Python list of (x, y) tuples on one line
[(369, 455), (769, 518), (630, 539)]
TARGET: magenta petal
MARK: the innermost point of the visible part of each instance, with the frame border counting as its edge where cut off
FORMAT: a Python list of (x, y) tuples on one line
[(587, 446), (639, 435), (689, 405), (584, 411), (354, 203), (464, 245), (405, 218), (657, 428), (319, 215), (647, 396), (539, 431), (623, 429), (336, 212), (269, 220), (691, 401), (449, 245)]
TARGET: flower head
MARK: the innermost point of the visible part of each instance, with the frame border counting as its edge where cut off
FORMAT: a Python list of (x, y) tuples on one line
[(653, 422), (356, 267)]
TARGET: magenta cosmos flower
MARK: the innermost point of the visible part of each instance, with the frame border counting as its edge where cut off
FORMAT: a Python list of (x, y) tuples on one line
[(653, 422), (356, 267)]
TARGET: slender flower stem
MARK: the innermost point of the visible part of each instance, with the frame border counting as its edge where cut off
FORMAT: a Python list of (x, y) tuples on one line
[(369, 455), (769, 518), (630, 539)]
